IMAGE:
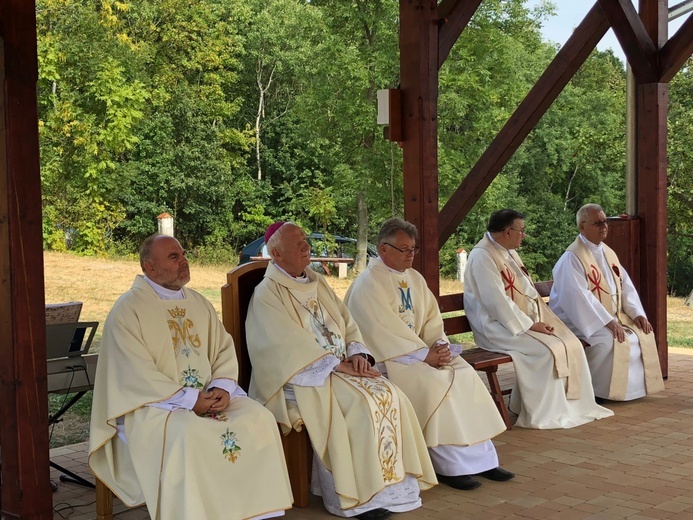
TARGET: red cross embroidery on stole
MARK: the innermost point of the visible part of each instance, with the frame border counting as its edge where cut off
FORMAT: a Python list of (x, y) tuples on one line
[(596, 278), (509, 279)]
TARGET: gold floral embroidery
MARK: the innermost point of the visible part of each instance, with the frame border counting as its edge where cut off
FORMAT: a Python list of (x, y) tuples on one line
[(386, 421)]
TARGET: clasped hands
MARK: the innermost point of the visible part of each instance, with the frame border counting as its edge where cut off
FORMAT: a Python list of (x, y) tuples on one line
[(439, 355), (215, 400), (357, 365)]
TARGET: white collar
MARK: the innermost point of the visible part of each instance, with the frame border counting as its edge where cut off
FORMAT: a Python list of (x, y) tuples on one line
[(164, 293), (488, 234), (595, 248), (390, 268), (300, 279)]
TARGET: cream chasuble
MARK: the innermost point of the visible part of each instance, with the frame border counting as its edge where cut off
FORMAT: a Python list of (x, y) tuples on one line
[(501, 325), (363, 430), (397, 315), (612, 301), (228, 465)]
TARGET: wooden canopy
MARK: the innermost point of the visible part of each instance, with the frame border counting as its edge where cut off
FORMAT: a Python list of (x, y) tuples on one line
[(428, 31)]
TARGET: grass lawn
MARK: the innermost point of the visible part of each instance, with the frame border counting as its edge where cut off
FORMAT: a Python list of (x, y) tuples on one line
[(98, 282)]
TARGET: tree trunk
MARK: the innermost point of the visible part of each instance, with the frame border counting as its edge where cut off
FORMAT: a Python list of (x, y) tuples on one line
[(689, 300), (362, 233)]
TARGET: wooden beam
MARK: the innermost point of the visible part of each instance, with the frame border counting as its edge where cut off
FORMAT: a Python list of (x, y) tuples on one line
[(676, 51), (26, 491), (418, 43), (557, 75), (632, 35), (454, 15)]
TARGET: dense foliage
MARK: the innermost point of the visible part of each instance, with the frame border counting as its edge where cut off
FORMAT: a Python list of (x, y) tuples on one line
[(230, 114)]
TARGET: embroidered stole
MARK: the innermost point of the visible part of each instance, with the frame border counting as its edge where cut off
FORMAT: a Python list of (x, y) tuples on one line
[(613, 304), (565, 347), (380, 395)]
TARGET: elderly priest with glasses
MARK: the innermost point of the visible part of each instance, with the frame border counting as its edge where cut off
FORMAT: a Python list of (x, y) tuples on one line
[(400, 320), (312, 370), (593, 294), (553, 388)]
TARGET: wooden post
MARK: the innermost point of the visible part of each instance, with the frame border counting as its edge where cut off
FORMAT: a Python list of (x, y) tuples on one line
[(652, 101), (26, 490), (418, 45)]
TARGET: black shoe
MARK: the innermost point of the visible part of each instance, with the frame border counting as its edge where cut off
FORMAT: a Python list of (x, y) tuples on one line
[(498, 474), (599, 400), (374, 514), (463, 482)]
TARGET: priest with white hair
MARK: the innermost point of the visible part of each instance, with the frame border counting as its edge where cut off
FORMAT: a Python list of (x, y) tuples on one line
[(312, 370), (593, 294)]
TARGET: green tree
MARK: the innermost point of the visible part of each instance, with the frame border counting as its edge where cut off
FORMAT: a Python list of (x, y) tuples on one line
[(191, 154), (91, 99), (680, 179)]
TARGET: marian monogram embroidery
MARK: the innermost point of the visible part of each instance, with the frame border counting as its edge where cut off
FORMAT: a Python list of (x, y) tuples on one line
[(230, 444), (405, 295), (182, 333)]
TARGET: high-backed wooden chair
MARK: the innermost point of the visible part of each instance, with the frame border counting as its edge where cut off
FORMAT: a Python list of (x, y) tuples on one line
[(235, 298)]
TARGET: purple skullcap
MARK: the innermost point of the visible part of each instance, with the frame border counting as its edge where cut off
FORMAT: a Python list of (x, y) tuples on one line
[(272, 229)]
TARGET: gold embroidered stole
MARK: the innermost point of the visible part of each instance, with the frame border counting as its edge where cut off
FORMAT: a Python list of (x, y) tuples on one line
[(379, 394), (565, 347), (382, 397), (600, 288)]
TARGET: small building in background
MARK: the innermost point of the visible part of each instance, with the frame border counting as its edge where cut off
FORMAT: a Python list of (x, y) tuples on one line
[(461, 264), (165, 222)]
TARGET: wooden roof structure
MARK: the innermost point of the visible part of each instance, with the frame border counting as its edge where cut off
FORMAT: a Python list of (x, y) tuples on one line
[(428, 30)]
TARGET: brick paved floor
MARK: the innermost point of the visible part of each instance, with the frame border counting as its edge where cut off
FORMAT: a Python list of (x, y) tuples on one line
[(636, 465)]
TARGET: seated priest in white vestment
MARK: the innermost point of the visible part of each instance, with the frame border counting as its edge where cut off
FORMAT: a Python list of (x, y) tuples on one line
[(169, 426), (311, 368), (399, 318), (593, 294), (553, 387)]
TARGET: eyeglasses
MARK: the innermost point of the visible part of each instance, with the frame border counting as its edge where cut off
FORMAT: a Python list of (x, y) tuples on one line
[(519, 230), (598, 223), (414, 250)]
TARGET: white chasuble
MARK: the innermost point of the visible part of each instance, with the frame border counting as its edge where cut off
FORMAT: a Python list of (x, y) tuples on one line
[(590, 289), (566, 348), (499, 324), (225, 465), (398, 315), (363, 430)]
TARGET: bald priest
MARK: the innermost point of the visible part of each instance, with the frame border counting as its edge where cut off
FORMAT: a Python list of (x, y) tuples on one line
[(169, 426)]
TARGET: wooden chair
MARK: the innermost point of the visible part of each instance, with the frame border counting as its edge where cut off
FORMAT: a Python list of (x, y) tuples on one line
[(479, 359), (235, 298), (104, 501)]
